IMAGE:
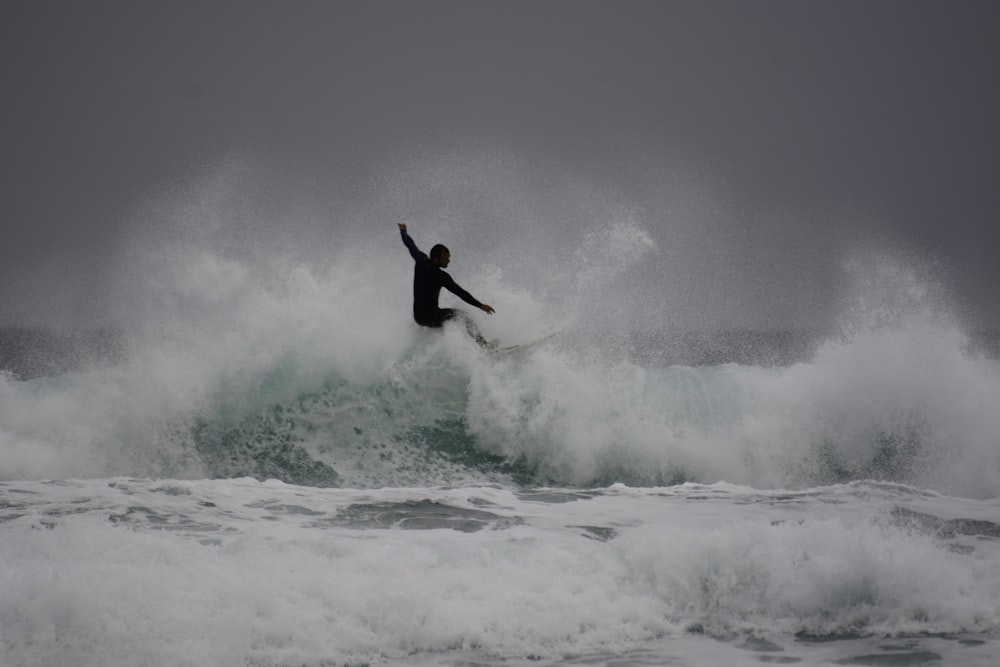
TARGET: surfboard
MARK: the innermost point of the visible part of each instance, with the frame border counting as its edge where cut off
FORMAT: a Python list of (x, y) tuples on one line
[(511, 349)]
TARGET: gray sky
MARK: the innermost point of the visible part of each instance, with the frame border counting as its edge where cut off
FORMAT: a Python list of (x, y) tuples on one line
[(815, 124)]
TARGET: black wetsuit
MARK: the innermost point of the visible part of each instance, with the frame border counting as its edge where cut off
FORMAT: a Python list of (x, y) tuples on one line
[(428, 280)]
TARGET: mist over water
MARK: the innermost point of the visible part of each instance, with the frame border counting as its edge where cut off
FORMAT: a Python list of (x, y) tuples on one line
[(247, 354)]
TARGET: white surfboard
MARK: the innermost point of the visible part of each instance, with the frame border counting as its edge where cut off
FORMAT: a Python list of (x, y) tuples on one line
[(510, 349)]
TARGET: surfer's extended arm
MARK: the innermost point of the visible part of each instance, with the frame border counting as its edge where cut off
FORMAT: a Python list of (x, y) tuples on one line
[(453, 287), (415, 252), (449, 284)]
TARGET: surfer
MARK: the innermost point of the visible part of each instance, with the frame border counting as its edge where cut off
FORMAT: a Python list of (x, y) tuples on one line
[(428, 279)]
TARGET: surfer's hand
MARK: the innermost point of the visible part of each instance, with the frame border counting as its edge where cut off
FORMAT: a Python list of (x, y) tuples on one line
[(402, 226), (486, 309)]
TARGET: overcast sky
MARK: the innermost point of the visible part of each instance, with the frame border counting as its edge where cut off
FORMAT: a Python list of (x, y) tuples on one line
[(876, 117)]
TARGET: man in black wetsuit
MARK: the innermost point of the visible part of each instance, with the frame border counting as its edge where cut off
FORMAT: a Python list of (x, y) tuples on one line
[(428, 279)]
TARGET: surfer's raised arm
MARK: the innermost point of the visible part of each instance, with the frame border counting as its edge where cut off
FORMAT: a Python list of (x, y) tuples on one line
[(415, 253)]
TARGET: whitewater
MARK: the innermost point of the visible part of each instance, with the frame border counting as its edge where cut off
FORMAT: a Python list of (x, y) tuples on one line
[(279, 468)]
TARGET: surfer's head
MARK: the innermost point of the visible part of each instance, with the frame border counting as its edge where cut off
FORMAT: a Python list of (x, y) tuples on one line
[(440, 256)]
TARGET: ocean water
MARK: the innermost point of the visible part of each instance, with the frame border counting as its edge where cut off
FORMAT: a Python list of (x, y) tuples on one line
[(277, 468)]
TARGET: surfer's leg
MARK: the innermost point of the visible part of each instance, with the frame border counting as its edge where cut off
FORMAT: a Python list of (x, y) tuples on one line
[(434, 320), (470, 325)]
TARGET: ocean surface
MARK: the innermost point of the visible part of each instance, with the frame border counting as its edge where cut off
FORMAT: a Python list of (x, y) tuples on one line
[(273, 472)]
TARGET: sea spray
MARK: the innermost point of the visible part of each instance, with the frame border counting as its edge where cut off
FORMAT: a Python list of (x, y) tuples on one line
[(245, 360), (294, 376)]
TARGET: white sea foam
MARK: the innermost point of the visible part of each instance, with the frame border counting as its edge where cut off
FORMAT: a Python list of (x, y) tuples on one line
[(124, 572)]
